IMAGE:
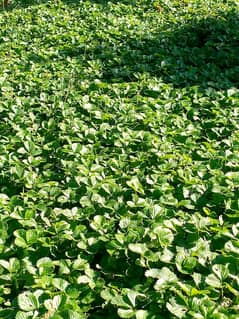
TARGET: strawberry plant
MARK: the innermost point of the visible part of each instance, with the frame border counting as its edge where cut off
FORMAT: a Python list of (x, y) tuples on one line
[(119, 159)]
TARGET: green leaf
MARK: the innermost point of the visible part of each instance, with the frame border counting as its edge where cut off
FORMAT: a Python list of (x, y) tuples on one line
[(138, 248), (45, 266), (142, 314), (232, 290), (189, 264), (166, 278), (185, 264), (107, 294), (4, 264), (20, 242), (135, 184), (221, 271), (14, 265), (60, 284), (99, 223), (214, 281), (75, 315), (73, 291), (24, 315), (153, 273), (53, 304), (166, 256), (125, 313), (164, 235), (27, 301), (176, 310), (232, 246), (113, 297), (132, 295), (31, 236)]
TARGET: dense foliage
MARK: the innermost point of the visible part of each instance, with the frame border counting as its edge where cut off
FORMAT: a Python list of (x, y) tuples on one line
[(119, 156)]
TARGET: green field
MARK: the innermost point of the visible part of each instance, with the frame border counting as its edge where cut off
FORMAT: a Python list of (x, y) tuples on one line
[(119, 159)]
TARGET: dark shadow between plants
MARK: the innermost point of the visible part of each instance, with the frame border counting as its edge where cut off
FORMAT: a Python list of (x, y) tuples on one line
[(17, 4), (102, 2), (21, 4), (204, 53)]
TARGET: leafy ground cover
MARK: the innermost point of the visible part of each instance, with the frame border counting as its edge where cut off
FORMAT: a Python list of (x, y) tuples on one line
[(119, 159)]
